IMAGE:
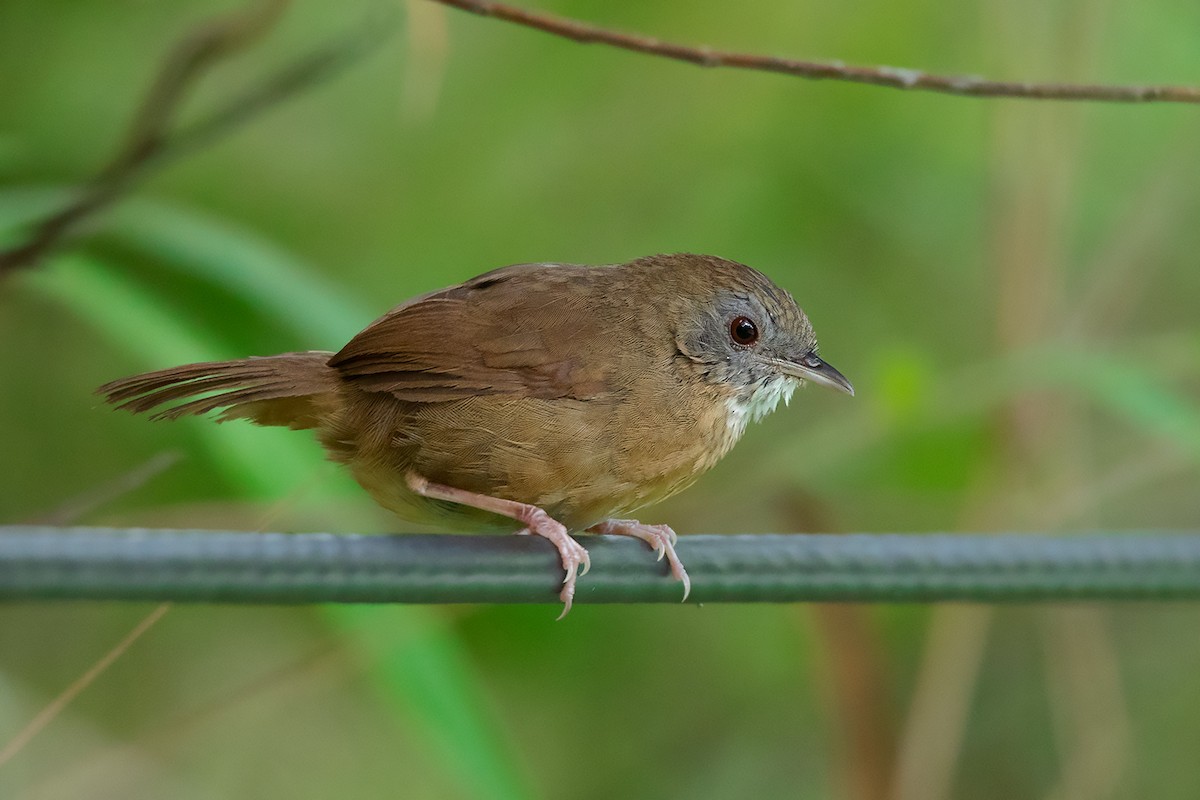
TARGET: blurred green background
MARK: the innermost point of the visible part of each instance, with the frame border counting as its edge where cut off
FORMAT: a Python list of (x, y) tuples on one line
[(1012, 286)]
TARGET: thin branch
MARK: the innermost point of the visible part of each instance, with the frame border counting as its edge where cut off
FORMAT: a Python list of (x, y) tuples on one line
[(42, 563), (196, 53), (149, 132), (79, 506), (64, 698), (891, 77), (152, 141)]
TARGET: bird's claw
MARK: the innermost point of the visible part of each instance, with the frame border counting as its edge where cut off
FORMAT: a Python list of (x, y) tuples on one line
[(574, 557), (659, 537)]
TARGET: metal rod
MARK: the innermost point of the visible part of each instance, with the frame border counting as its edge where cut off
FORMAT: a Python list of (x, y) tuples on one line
[(45, 563)]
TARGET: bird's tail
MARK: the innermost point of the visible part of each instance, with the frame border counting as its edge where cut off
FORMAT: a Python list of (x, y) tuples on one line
[(295, 390)]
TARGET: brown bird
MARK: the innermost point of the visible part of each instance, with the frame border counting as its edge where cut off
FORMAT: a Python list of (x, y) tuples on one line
[(542, 398)]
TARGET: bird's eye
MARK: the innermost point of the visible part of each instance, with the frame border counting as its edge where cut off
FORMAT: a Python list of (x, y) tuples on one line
[(743, 331)]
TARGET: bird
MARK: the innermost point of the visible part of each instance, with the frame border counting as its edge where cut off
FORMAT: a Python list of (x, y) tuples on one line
[(543, 399)]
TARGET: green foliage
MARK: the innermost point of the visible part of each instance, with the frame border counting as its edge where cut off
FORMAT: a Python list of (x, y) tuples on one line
[(1011, 287)]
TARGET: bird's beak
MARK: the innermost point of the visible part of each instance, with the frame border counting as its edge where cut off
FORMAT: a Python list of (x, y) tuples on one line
[(811, 368)]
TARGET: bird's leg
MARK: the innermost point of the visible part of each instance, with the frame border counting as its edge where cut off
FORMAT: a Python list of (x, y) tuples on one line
[(660, 537), (535, 520)]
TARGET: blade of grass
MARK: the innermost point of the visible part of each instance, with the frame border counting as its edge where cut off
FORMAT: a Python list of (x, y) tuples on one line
[(244, 264), (264, 465), (413, 648), (236, 260), (1131, 392)]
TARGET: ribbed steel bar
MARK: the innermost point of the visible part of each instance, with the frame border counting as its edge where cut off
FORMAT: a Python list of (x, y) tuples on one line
[(41, 563)]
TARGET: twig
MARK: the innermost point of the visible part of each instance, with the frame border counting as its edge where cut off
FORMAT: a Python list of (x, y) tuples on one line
[(83, 504), (151, 142), (149, 133), (198, 51), (892, 77), (48, 714)]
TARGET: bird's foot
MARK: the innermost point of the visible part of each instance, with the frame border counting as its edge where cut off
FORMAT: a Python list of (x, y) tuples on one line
[(536, 520), (575, 559), (660, 537)]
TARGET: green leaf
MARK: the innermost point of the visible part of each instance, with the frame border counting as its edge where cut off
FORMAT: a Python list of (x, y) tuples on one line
[(243, 264), (1125, 389), (412, 647), (265, 462)]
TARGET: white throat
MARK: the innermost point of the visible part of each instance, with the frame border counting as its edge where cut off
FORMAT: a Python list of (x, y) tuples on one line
[(762, 400)]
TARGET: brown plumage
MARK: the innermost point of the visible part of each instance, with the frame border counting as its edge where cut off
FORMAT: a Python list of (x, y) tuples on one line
[(290, 389), (579, 393)]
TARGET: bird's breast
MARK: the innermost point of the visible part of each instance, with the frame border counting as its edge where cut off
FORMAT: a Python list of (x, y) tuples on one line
[(581, 461)]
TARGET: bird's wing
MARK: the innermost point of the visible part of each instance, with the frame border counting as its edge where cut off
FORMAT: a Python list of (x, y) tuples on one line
[(514, 331)]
